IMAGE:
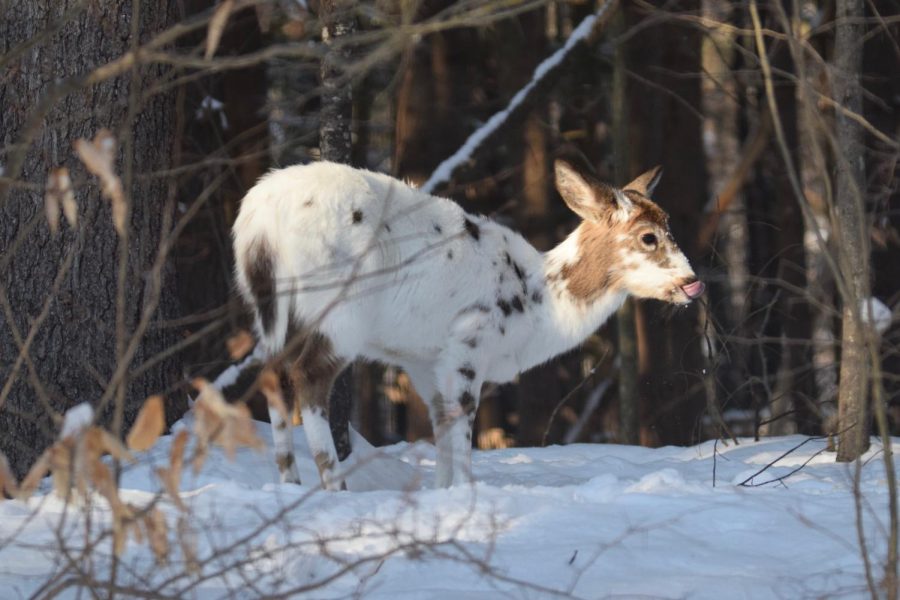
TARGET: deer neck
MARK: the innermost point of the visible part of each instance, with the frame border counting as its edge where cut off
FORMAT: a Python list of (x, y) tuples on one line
[(581, 290)]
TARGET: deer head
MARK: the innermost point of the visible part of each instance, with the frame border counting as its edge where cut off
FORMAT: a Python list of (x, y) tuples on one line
[(624, 242)]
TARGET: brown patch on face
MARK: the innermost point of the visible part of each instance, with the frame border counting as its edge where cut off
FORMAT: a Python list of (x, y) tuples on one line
[(259, 265), (595, 273), (646, 211), (591, 275)]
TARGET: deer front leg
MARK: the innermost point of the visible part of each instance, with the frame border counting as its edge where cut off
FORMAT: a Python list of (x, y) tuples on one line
[(276, 387), (452, 415)]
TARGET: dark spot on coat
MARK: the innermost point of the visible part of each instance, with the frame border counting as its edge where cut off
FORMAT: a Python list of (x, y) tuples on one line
[(467, 371), (260, 269), (472, 228), (450, 254), (471, 342), (517, 304), (308, 203), (507, 258), (501, 329), (467, 401), (357, 216), (519, 272), (504, 306), (310, 359), (536, 297), (284, 461), (387, 227), (438, 228)]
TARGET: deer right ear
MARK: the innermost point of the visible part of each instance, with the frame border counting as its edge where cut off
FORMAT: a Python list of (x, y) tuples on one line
[(589, 198)]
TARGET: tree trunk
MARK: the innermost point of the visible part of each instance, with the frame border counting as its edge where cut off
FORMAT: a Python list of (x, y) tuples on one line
[(722, 147), (626, 331), (335, 142), (670, 363), (853, 252), (74, 274)]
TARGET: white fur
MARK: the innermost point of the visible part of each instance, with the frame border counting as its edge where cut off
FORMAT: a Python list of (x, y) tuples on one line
[(409, 285)]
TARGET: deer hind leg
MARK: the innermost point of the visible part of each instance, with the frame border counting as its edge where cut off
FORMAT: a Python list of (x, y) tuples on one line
[(452, 415), (312, 371), (423, 381), (282, 434)]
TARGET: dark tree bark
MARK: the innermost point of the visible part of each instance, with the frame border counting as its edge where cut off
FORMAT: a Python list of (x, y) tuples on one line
[(791, 320), (73, 355), (851, 229), (661, 128), (629, 399), (335, 142)]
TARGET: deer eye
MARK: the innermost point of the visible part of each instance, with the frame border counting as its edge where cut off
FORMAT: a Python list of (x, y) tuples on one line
[(649, 239)]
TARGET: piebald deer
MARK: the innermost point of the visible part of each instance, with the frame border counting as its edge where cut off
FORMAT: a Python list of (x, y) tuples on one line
[(340, 263)]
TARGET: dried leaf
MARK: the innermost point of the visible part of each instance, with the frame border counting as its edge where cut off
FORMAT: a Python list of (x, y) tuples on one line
[(104, 482), (216, 421), (200, 455), (239, 431), (8, 483), (176, 456), (120, 536), (98, 156), (171, 476), (270, 385), (157, 534), (51, 206), (61, 459), (216, 26), (149, 425), (59, 192), (69, 206), (188, 546), (134, 527), (114, 447), (37, 472), (240, 344)]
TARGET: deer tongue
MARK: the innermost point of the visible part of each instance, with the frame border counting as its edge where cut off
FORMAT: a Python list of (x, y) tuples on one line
[(694, 289)]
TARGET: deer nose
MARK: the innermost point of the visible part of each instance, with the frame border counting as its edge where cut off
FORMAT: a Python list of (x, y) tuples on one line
[(694, 289)]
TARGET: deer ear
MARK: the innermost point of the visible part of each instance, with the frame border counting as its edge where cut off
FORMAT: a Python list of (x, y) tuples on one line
[(589, 198), (645, 184)]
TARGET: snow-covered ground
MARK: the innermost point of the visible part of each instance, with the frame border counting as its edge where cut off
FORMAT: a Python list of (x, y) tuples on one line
[(588, 521)]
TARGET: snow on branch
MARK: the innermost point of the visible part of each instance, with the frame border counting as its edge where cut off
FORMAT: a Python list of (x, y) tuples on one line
[(445, 170)]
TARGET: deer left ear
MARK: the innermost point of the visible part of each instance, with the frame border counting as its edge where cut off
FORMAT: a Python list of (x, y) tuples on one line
[(645, 184)]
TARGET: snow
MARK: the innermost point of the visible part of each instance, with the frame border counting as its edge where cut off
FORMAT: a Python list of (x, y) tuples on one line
[(879, 313), (583, 520), (231, 374), (444, 171), (77, 418)]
